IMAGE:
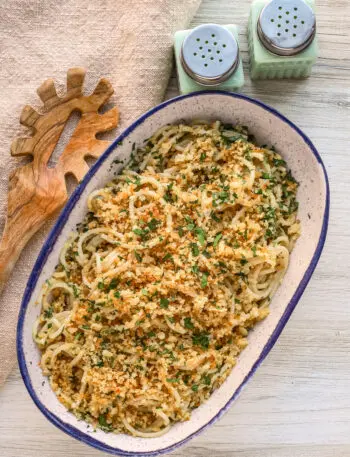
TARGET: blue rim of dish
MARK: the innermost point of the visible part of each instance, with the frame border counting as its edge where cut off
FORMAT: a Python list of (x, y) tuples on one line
[(50, 242)]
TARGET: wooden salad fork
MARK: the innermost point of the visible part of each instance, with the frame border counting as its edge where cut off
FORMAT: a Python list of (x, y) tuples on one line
[(36, 191)]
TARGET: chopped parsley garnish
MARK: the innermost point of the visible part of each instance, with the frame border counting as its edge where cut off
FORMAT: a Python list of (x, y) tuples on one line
[(279, 163), (48, 313), (195, 269), (232, 138), (201, 339), (243, 261), (102, 421), (75, 291), (194, 388), (188, 323), (294, 205), (215, 217), (164, 303), (190, 224), (153, 224), (207, 380), (222, 265), (220, 197), (270, 213), (269, 233), (168, 196), (167, 256), (217, 239), (138, 256), (200, 235), (290, 178), (194, 249), (113, 284), (204, 280), (241, 275), (142, 233)]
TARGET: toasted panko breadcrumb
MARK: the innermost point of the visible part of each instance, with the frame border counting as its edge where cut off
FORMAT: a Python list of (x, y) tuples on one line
[(176, 260)]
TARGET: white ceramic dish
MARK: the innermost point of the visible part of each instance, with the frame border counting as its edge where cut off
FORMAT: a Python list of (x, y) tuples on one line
[(269, 127)]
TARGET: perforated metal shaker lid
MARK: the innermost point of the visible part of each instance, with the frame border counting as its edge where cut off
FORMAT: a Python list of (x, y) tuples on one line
[(210, 54), (286, 27)]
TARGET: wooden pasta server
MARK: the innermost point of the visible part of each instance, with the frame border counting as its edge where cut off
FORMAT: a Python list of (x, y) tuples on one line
[(37, 192)]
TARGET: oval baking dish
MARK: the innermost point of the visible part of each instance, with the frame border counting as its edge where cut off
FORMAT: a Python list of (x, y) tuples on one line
[(269, 127)]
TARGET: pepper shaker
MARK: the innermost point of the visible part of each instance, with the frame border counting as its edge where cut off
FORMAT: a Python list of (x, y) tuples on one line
[(282, 38), (208, 56)]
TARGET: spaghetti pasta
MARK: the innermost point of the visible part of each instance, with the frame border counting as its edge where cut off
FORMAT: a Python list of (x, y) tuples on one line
[(176, 260)]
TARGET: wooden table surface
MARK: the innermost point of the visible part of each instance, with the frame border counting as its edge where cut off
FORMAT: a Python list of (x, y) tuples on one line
[(298, 403)]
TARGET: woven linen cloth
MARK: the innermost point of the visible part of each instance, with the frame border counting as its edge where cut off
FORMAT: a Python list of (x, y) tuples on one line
[(128, 42)]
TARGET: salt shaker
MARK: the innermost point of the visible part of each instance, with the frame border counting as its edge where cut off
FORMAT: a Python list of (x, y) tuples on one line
[(208, 57), (282, 38)]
